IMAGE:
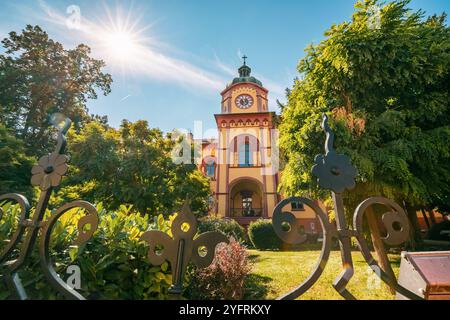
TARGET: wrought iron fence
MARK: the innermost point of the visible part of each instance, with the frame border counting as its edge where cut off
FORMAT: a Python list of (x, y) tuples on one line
[(246, 212), (178, 250), (334, 172)]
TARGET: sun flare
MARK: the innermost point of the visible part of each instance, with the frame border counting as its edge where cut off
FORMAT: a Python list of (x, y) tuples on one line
[(121, 45), (122, 42)]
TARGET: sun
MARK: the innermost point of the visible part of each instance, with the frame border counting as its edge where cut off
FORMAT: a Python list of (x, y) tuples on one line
[(122, 42), (121, 45)]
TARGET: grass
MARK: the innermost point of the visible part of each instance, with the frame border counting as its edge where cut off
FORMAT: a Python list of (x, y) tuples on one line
[(275, 273)]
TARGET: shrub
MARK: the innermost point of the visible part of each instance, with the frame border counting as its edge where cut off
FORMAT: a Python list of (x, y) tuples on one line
[(263, 236), (228, 227), (224, 279), (113, 263)]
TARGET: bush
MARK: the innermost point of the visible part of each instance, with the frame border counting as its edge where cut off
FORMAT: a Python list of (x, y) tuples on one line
[(113, 263), (263, 236), (228, 227), (224, 279)]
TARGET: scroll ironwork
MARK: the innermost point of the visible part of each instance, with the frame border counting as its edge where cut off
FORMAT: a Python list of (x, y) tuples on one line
[(46, 175), (335, 172), (178, 249), (182, 247)]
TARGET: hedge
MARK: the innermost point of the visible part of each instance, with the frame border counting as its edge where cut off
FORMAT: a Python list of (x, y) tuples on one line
[(262, 235), (228, 227), (113, 263)]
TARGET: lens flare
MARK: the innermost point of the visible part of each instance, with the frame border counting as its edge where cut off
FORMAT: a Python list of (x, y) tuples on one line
[(121, 45), (121, 40)]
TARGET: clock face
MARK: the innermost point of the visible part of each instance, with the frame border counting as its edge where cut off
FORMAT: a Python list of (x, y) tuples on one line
[(244, 101)]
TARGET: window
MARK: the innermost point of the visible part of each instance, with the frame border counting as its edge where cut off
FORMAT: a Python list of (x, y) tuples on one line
[(247, 204), (297, 206), (210, 169), (313, 227), (245, 159)]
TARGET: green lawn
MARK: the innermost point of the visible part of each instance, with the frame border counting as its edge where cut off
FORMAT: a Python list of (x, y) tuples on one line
[(275, 273)]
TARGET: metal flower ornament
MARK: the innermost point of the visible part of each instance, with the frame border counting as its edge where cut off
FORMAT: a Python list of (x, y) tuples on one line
[(49, 171), (182, 247), (335, 172), (46, 175)]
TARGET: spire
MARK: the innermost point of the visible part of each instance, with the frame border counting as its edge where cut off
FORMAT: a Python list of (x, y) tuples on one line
[(244, 74), (245, 70)]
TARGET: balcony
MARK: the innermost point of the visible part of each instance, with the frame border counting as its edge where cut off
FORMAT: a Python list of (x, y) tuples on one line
[(246, 212)]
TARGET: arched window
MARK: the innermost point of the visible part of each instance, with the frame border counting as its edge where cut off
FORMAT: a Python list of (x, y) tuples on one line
[(210, 168), (245, 156)]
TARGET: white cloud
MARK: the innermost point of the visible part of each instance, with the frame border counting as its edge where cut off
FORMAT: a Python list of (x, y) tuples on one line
[(151, 58), (148, 59), (227, 69)]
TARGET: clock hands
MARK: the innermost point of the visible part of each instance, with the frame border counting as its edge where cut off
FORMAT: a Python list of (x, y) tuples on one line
[(244, 101)]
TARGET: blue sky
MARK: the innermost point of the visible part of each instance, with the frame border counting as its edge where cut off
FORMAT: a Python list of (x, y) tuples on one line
[(178, 55)]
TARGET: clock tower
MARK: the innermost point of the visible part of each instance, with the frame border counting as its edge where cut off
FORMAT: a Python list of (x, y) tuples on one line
[(243, 162)]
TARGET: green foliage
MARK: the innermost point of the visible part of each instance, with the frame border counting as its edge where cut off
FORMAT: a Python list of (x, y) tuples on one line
[(228, 227), (38, 78), (386, 92), (113, 263), (132, 165), (263, 236), (15, 166)]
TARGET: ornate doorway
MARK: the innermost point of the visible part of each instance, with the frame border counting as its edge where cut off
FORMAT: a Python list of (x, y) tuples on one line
[(246, 201)]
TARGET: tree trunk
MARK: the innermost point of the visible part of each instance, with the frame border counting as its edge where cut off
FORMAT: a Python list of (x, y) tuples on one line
[(415, 235), (424, 213), (378, 245)]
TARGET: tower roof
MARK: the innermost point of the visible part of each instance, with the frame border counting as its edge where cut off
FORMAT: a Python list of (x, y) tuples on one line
[(244, 75)]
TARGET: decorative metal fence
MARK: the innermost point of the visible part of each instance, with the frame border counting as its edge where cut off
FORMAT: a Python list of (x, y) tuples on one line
[(334, 171)]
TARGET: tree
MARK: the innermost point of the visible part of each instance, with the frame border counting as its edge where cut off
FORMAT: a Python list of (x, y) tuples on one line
[(386, 90), (39, 78), (131, 165), (15, 166)]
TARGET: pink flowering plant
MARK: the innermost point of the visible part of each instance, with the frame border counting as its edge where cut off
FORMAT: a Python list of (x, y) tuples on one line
[(225, 278)]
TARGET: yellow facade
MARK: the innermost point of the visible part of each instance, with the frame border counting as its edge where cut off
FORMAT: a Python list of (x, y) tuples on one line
[(243, 171), (243, 162)]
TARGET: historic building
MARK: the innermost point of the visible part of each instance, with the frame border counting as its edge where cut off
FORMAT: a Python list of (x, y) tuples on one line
[(243, 163)]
